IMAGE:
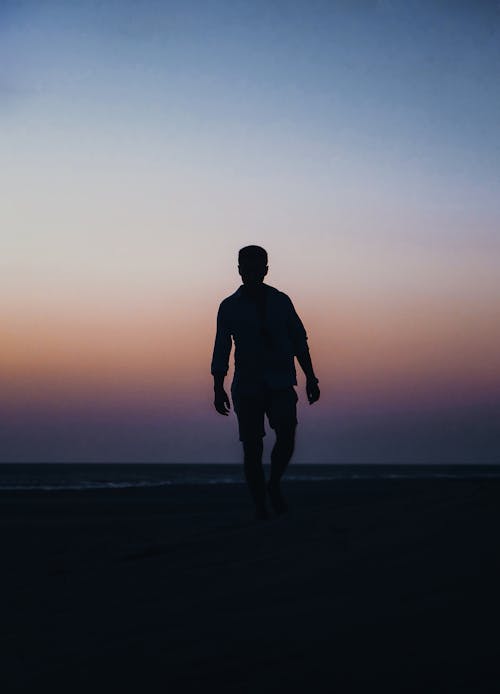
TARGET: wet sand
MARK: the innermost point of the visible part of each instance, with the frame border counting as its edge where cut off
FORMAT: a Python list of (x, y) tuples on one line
[(364, 585)]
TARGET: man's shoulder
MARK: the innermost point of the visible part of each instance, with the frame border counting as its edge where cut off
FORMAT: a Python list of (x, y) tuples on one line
[(278, 294), (229, 300)]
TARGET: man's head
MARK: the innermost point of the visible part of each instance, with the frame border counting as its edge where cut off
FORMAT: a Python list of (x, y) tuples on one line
[(252, 265)]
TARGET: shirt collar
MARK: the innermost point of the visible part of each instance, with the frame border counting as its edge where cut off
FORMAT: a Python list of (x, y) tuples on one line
[(240, 292)]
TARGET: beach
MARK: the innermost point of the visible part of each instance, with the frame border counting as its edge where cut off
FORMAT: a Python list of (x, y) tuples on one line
[(365, 584)]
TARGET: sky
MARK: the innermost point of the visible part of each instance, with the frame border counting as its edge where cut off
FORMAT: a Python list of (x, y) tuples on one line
[(143, 143)]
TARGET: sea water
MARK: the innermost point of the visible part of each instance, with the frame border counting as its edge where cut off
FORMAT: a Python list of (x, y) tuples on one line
[(68, 476)]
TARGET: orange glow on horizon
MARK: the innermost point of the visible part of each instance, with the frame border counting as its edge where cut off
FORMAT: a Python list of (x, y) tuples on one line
[(357, 347)]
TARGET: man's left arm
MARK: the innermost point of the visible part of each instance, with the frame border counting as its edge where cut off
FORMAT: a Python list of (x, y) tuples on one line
[(301, 351)]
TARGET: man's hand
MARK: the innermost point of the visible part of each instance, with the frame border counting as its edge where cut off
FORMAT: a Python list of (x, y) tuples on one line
[(312, 390), (221, 401)]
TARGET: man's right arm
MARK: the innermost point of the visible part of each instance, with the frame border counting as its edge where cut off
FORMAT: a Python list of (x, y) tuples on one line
[(220, 361)]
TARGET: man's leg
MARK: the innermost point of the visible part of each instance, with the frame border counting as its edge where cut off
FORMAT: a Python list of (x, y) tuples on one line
[(282, 413), (282, 451), (250, 413), (254, 474)]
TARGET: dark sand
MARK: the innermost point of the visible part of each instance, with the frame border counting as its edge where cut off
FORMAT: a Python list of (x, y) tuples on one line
[(365, 586)]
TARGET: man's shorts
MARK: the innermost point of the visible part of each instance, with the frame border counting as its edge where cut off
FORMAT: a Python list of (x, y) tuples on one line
[(280, 406)]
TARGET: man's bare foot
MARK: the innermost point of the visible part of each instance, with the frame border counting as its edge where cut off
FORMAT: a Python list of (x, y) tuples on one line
[(261, 514), (277, 499)]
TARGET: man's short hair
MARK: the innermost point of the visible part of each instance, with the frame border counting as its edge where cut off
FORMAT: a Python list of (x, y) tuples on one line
[(252, 254)]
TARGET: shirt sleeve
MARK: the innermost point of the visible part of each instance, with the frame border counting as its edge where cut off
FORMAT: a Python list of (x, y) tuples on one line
[(296, 330), (223, 343)]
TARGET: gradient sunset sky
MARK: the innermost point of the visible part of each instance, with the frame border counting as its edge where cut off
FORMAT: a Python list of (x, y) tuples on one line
[(143, 143)]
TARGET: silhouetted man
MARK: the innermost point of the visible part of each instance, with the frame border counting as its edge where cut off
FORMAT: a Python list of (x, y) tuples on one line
[(267, 334)]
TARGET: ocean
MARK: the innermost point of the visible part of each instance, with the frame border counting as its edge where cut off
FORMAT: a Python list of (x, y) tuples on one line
[(68, 476)]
